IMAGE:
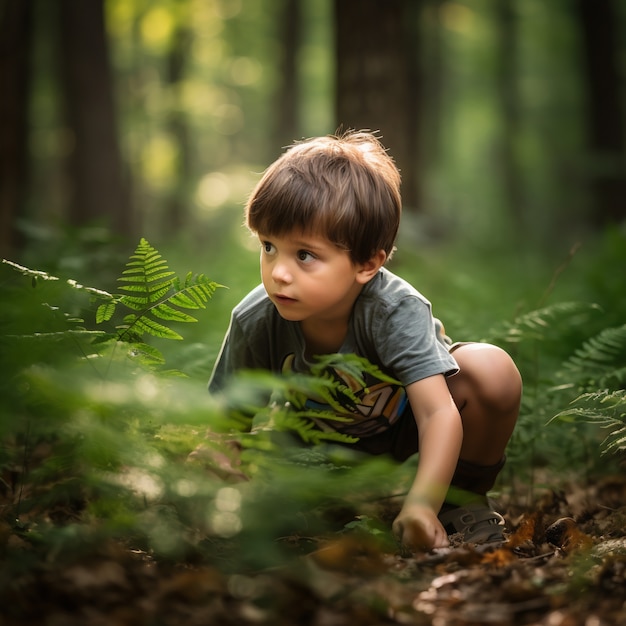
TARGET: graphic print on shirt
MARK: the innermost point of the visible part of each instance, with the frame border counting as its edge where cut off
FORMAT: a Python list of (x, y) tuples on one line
[(379, 403)]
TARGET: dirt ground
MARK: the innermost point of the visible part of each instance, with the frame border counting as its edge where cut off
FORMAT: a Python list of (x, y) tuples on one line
[(563, 564)]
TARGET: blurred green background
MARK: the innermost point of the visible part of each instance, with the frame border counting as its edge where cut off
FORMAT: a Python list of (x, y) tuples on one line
[(154, 118)]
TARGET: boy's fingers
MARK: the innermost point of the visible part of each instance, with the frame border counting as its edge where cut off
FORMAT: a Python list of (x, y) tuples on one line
[(414, 536), (397, 529)]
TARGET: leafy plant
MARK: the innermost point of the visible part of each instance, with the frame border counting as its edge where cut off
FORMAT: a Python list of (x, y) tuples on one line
[(156, 295), (604, 409), (282, 403), (598, 369), (600, 362)]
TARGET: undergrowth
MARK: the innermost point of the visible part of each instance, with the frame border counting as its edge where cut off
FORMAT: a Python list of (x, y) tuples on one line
[(101, 439)]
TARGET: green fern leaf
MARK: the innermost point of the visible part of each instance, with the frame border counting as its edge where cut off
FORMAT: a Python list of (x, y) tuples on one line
[(605, 409), (185, 301), (147, 273), (151, 293), (600, 362), (539, 324), (105, 312), (195, 292), (154, 293), (143, 324), (25, 271), (146, 354), (166, 312), (137, 303)]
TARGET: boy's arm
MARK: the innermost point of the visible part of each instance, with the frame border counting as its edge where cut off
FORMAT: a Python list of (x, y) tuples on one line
[(440, 437)]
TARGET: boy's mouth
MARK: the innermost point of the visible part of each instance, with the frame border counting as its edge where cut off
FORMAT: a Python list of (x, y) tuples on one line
[(283, 299)]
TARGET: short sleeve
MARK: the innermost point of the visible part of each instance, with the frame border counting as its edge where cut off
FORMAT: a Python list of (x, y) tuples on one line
[(408, 345), (235, 354)]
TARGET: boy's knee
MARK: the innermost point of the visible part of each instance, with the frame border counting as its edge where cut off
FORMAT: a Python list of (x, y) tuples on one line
[(493, 376)]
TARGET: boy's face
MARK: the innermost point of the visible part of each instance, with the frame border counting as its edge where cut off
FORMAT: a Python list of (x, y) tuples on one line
[(307, 276)]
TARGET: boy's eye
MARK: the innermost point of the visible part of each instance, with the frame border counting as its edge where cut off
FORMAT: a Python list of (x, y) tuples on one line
[(268, 247), (305, 256)]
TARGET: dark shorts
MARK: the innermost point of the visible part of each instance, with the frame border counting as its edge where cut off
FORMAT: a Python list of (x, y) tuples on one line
[(400, 441)]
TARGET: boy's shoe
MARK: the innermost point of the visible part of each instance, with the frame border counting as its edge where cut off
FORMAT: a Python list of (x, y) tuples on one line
[(476, 522)]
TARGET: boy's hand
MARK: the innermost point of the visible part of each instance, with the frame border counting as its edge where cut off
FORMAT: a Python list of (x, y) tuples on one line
[(417, 527)]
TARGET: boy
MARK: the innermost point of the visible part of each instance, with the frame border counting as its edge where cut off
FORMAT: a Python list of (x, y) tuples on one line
[(326, 214)]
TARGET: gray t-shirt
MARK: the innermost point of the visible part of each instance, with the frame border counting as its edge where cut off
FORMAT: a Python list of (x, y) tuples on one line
[(392, 326)]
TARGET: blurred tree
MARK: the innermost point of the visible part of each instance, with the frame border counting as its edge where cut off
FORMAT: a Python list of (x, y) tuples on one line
[(177, 211), (509, 101), (377, 78), (288, 91), (432, 81), (98, 191), (15, 75), (605, 111)]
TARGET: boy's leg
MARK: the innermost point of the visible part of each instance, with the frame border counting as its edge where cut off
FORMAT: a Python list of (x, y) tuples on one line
[(487, 392)]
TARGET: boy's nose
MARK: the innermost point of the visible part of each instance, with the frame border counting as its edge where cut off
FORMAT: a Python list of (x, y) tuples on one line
[(280, 273)]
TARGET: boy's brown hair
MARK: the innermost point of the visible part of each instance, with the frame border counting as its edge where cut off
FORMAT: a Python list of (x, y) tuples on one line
[(344, 187)]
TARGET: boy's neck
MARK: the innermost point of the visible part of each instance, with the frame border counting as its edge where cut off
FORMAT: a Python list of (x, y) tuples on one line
[(322, 337)]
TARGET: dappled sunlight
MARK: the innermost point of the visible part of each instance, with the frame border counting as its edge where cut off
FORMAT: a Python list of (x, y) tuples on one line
[(159, 156), (225, 520), (140, 482), (213, 190), (228, 118), (156, 28), (245, 71), (457, 17), (186, 488), (147, 387)]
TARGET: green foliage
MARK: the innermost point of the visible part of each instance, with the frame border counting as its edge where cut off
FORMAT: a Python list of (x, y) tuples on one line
[(279, 403), (540, 324), (96, 429), (96, 433), (606, 409), (600, 362), (598, 369), (556, 370), (156, 294)]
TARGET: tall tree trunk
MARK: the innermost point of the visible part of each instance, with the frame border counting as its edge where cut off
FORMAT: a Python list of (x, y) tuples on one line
[(287, 123), (178, 202), (432, 82), (99, 193), (605, 111), (377, 78), (508, 98), (15, 43)]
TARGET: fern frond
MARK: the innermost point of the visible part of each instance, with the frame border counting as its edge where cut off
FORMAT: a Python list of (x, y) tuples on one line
[(195, 292), (353, 365), (155, 293), (606, 409), (40, 275), (539, 324), (165, 312), (25, 271), (601, 361), (105, 312), (59, 336), (307, 430), (148, 277), (143, 324), (146, 354)]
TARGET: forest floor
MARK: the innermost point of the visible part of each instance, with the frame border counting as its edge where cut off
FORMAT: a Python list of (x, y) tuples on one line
[(563, 564)]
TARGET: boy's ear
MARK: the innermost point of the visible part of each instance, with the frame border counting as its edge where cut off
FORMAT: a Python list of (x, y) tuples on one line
[(367, 271)]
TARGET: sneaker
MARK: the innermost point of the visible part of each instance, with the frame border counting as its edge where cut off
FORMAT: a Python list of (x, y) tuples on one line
[(476, 522)]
